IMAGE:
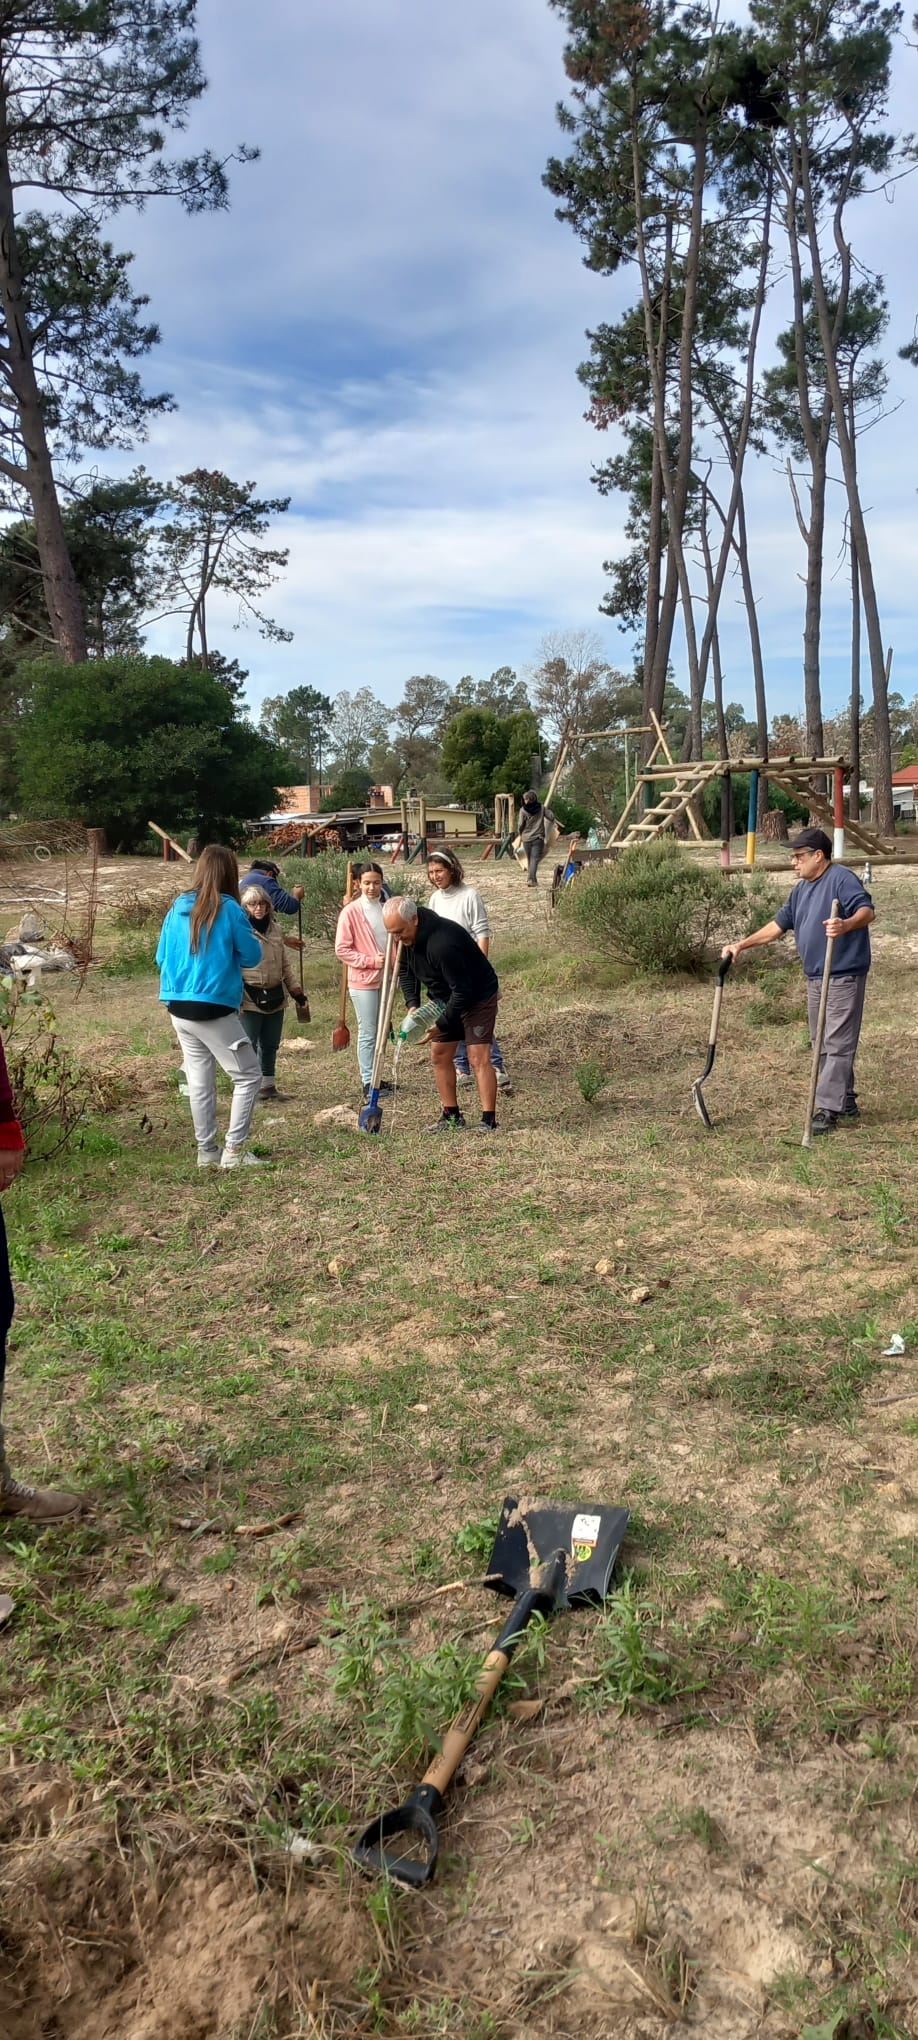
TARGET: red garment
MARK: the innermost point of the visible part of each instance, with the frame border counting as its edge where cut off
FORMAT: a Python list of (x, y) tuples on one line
[(10, 1129)]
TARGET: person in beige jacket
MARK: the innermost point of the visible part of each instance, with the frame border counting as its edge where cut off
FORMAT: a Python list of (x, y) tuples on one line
[(266, 988)]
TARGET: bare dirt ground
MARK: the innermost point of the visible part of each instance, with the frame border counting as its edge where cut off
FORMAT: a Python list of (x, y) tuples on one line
[(297, 1404)]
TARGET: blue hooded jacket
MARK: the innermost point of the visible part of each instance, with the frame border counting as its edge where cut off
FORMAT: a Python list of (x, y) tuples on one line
[(214, 973)]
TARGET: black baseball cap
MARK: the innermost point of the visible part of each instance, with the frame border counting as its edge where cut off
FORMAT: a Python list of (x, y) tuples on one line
[(812, 839)]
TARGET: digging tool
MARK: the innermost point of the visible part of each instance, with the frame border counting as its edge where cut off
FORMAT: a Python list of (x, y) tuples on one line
[(819, 1035), (341, 1035), (302, 1003), (370, 1118), (697, 1099), (548, 1556)]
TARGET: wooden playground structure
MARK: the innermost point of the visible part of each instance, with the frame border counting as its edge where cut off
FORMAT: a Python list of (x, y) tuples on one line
[(674, 788)]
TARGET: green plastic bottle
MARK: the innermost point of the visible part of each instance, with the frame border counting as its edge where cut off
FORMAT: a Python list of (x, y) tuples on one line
[(418, 1022)]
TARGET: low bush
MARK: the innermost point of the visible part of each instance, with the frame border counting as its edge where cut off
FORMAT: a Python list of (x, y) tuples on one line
[(135, 955), (131, 909), (54, 1091), (324, 879), (654, 907)]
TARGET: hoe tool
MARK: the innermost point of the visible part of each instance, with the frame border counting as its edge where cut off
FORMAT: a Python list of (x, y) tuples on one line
[(341, 1035), (819, 1035), (549, 1556), (697, 1099), (370, 1118)]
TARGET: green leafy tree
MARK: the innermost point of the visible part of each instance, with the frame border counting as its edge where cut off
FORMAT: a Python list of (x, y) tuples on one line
[(484, 754), (108, 530), (208, 545), (116, 742), (350, 790), (299, 723), (88, 92), (474, 747), (359, 723), (503, 694)]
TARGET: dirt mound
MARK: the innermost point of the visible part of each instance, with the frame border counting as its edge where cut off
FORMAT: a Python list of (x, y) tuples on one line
[(104, 1940), (567, 1034)]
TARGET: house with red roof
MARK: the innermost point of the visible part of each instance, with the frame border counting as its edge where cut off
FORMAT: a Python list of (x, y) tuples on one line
[(905, 793)]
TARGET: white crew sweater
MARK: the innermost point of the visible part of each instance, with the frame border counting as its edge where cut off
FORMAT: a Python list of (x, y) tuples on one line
[(461, 903)]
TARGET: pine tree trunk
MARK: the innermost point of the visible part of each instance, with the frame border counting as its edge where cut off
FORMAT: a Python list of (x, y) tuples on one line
[(883, 798), (854, 791), (812, 626), (59, 582)]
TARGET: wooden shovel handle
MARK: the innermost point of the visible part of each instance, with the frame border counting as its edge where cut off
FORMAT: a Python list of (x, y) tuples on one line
[(459, 1735), (348, 896), (820, 1033)]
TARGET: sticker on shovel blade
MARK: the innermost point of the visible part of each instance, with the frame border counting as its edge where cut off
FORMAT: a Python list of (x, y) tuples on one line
[(584, 1538)]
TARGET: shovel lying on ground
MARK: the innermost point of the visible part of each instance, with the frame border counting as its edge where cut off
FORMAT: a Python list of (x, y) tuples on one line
[(548, 1556), (819, 1035), (370, 1117), (697, 1099)]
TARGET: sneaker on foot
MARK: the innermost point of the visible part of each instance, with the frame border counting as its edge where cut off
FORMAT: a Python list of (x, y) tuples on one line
[(484, 1126), (851, 1108), (208, 1158), (36, 1504), (823, 1122), (385, 1091), (504, 1081), (274, 1096), (233, 1158), (447, 1125), (464, 1077)]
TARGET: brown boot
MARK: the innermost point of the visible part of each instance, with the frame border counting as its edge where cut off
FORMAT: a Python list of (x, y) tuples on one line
[(36, 1504)]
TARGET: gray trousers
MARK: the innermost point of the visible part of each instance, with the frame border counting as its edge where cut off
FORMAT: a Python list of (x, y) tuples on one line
[(844, 1013), (204, 1044)]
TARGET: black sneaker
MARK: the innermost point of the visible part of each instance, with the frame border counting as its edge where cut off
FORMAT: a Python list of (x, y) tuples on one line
[(851, 1108), (385, 1091), (823, 1122)]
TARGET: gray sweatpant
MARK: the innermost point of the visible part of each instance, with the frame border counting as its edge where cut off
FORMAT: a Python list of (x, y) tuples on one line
[(844, 1013), (204, 1044)]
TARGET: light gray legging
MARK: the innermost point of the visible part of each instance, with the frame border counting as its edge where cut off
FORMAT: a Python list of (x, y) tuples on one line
[(204, 1044), (365, 1001)]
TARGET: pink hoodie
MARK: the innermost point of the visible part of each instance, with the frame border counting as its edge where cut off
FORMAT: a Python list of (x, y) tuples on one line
[(355, 945)]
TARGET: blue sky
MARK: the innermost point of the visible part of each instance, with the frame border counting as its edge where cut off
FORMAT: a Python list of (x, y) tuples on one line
[(386, 326)]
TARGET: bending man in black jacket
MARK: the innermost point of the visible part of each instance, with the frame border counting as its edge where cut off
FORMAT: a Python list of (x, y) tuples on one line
[(446, 959)]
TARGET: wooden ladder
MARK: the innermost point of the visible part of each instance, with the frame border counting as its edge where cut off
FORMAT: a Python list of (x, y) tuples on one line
[(677, 801), (860, 833)]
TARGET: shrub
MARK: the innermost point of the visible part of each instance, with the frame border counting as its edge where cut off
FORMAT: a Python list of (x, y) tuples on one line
[(571, 815), (132, 909), (590, 1077), (324, 880), (53, 1090), (655, 907), (135, 956)]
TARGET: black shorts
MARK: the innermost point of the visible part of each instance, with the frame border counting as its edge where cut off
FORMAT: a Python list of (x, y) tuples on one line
[(476, 1026)]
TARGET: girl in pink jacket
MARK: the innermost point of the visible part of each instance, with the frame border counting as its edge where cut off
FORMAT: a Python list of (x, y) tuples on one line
[(360, 942)]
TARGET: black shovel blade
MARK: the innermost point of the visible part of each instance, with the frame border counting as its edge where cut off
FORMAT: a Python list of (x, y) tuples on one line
[(699, 1104), (530, 1534)]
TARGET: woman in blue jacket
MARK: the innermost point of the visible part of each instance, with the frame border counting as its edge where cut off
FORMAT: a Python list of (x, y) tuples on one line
[(205, 945)]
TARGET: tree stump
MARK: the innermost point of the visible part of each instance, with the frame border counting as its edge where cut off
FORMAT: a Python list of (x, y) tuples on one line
[(96, 842), (774, 826)]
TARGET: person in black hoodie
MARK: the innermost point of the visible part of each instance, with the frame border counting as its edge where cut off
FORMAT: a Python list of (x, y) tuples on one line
[(447, 960)]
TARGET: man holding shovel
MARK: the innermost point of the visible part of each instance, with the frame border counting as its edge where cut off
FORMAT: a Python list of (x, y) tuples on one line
[(447, 959), (808, 911)]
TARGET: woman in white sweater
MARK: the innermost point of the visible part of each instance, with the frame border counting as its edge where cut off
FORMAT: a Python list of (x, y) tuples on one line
[(455, 901)]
